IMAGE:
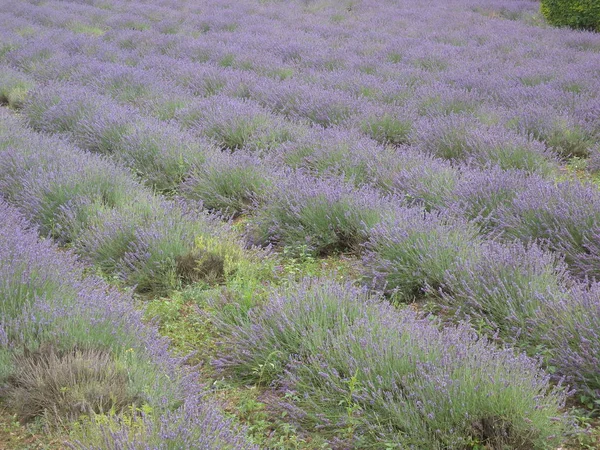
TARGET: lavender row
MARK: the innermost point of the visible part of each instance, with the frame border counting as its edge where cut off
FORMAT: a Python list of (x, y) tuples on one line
[(527, 296), (365, 374), (575, 42), (87, 202), (521, 293), (77, 115), (159, 153), (68, 322), (329, 214), (516, 208), (574, 135)]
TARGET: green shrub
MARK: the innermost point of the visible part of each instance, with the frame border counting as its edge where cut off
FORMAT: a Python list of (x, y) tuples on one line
[(387, 129), (408, 257), (228, 183), (14, 87), (583, 14), (328, 215), (369, 376)]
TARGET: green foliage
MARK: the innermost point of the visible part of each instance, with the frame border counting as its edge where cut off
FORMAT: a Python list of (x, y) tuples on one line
[(431, 64), (395, 57), (14, 87), (256, 132), (182, 320), (327, 227), (267, 426), (229, 190), (518, 157), (582, 14), (436, 105), (19, 292), (282, 73), (329, 160), (566, 139), (167, 109), (569, 141), (161, 162), (83, 28), (460, 141), (39, 113), (588, 435), (89, 427), (410, 262), (300, 261), (125, 90), (387, 129), (6, 363)]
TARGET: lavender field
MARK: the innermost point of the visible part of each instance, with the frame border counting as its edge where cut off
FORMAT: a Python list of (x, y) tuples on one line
[(298, 224)]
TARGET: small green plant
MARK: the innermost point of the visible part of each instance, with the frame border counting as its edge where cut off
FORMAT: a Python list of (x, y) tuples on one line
[(353, 408), (89, 427), (298, 260), (267, 426), (270, 364)]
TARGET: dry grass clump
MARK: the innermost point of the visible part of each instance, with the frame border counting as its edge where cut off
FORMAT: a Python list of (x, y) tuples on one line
[(63, 385), (200, 266)]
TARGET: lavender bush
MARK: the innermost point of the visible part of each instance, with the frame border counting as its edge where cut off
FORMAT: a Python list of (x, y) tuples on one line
[(419, 179), (14, 87), (561, 135), (326, 216), (161, 154), (508, 289), (460, 138), (563, 216), (232, 184), (478, 195), (368, 375), (334, 151), (572, 333), (409, 256), (234, 124)]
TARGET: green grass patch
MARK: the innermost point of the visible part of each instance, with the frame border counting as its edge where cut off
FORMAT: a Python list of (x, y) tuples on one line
[(82, 28)]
